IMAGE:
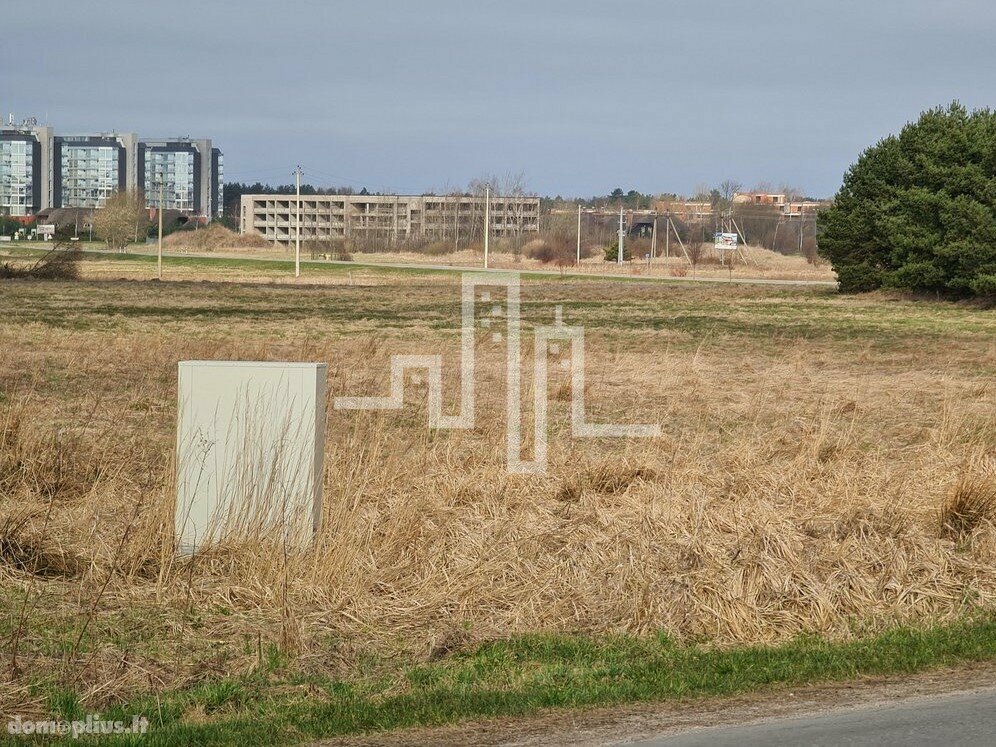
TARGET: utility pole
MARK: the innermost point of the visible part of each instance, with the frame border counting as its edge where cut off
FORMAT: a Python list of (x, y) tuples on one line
[(667, 236), (159, 253), (579, 236), (297, 250), (487, 222), (653, 239), (619, 255)]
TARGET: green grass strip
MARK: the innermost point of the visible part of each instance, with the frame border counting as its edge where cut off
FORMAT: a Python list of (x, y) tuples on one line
[(525, 676)]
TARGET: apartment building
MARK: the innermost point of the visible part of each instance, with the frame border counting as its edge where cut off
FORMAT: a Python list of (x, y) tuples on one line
[(87, 169), (25, 180), (40, 170), (190, 172), (385, 217)]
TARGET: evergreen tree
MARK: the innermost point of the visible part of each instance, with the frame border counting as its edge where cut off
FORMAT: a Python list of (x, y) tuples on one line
[(918, 210)]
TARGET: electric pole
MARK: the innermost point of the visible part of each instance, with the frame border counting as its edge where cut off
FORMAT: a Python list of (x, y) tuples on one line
[(653, 239), (487, 222), (579, 236), (297, 249), (159, 258), (619, 255), (667, 236)]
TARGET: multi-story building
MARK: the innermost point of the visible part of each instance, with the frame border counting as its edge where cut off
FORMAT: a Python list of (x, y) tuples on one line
[(40, 171), (386, 217), (87, 169), (191, 172), (25, 179)]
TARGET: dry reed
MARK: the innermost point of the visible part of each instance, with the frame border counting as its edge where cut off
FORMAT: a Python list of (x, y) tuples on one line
[(794, 490)]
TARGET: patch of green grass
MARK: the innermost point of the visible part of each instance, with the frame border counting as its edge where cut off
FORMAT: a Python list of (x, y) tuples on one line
[(323, 267), (526, 675)]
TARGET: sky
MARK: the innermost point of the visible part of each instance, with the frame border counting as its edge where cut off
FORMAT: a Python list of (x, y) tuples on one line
[(580, 97)]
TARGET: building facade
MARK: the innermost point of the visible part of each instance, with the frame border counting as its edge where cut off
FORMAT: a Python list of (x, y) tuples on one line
[(218, 180), (87, 169), (25, 180), (385, 217), (190, 171)]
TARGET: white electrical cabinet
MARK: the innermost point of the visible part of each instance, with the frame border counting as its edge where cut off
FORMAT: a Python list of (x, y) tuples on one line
[(250, 445)]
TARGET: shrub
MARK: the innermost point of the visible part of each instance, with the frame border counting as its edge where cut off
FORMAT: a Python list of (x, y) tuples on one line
[(918, 210), (438, 248), (557, 250), (858, 278), (984, 285), (612, 251), (59, 263)]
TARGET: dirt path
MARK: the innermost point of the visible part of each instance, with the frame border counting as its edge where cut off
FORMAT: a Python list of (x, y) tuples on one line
[(600, 726)]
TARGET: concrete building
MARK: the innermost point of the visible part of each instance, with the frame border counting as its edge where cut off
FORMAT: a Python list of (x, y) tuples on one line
[(192, 171), (385, 217), (25, 175)]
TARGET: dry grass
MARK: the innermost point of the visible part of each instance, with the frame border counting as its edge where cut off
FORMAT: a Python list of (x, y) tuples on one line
[(972, 505), (213, 237), (55, 263), (761, 262), (809, 443)]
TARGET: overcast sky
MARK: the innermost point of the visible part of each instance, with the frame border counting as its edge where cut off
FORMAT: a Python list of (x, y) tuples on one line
[(580, 96)]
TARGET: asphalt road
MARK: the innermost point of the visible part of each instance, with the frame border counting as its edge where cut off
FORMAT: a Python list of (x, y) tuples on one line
[(959, 720)]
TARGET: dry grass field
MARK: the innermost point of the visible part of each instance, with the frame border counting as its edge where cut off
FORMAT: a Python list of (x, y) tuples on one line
[(827, 466), (752, 262)]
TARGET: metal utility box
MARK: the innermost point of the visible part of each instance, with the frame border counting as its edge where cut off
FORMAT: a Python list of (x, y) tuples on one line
[(250, 445)]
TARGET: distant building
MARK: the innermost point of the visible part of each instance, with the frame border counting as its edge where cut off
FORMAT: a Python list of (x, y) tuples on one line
[(191, 171), (786, 206), (689, 211), (388, 217), (25, 179), (87, 169), (40, 171), (759, 198)]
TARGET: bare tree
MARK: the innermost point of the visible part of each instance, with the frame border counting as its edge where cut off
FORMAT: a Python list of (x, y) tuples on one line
[(728, 188), (506, 217), (122, 219)]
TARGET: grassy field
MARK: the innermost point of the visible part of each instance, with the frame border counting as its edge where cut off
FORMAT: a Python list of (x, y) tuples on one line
[(819, 504), (275, 264)]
